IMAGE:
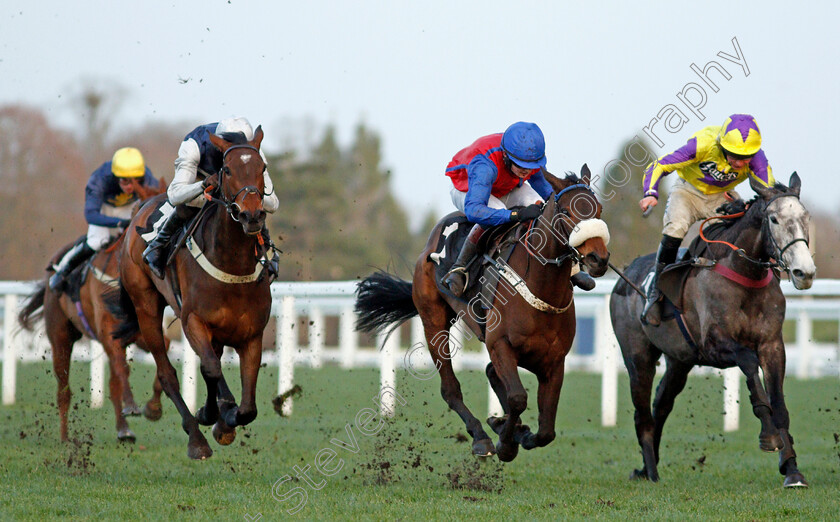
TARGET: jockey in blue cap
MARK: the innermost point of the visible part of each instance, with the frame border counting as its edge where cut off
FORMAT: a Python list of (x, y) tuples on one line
[(490, 176)]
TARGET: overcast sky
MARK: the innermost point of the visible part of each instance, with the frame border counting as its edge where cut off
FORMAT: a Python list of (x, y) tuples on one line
[(432, 76)]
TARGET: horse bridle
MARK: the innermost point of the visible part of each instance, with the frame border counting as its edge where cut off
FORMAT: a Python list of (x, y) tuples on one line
[(573, 252), (231, 205), (765, 225)]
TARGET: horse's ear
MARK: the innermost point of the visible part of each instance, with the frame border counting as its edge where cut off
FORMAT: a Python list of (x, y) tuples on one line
[(218, 142), (258, 137), (795, 183), (761, 190), (556, 183), (585, 174)]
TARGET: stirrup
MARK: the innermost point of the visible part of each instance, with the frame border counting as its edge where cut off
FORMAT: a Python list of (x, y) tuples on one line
[(447, 280)]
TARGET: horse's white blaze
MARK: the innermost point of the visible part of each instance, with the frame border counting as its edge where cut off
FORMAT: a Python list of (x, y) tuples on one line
[(245, 158), (587, 229), (793, 224)]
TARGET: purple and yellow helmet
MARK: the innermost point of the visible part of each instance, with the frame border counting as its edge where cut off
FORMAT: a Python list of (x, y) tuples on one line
[(739, 135)]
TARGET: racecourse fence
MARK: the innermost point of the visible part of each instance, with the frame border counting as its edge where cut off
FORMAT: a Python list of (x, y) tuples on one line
[(313, 324)]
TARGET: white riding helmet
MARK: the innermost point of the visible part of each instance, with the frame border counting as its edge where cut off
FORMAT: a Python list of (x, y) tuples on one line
[(240, 124)]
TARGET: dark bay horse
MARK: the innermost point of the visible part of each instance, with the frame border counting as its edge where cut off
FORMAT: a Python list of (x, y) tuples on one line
[(66, 322), (533, 329), (734, 315), (218, 289)]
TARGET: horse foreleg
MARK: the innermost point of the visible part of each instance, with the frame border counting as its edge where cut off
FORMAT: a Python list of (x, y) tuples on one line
[(250, 357), (153, 410), (200, 339), (548, 396), (747, 360), (504, 361), (774, 368), (640, 359), (672, 383)]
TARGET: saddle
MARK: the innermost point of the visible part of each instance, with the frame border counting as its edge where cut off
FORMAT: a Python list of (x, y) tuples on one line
[(496, 243)]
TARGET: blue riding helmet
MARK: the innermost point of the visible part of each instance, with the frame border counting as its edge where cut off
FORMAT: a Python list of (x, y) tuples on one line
[(525, 145)]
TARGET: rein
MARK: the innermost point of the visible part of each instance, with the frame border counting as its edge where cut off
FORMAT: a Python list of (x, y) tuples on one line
[(573, 252), (779, 262)]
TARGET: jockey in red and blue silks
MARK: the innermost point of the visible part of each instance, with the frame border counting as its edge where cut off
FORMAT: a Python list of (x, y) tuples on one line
[(489, 176), (110, 199), (712, 163)]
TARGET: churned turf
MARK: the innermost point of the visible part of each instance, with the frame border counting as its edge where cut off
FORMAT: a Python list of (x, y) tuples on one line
[(417, 466)]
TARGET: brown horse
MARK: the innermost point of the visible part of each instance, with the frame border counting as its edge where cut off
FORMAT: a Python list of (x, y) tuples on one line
[(67, 321), (531, 327), (733, 316), (217, 288)]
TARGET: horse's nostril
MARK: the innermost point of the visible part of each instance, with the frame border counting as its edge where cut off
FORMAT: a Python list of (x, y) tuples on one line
[(798, 273)]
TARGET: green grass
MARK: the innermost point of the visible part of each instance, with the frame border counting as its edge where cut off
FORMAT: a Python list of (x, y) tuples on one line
[(417, 467)]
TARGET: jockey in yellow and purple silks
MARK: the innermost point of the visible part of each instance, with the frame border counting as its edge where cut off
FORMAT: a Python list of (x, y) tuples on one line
[(713, 162)]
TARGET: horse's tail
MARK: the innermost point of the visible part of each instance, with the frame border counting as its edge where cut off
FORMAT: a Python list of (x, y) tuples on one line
[(120, 306), (34, 307), (383, 300)]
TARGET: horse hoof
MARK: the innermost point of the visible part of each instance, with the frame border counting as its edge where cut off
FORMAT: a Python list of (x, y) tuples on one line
[(507, 452), (199, 452), (223, 433), (206, 419), (496, 423), (126, 435), (770, 444), (152, 413), (795, 480), (483, 448), (131, 411), (642, 474)]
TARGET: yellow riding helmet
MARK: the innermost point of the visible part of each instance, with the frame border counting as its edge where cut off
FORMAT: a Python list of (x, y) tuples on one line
[(128, 163), (740, 135)]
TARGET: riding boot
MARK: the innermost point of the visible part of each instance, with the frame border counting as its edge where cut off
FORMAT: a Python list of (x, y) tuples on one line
[(667, 254), (582, 280), (156, 253), (456, 278), (70, 261)]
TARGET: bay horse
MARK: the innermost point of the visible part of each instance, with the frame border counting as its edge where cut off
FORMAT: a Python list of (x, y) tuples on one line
[(533, 329), (67, 321), (215, 286), (733, 315)]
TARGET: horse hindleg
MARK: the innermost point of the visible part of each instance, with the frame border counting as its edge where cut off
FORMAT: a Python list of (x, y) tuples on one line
[(437, 337), (774, 380), (62, 348), (117, 383), (199, 338), (498, 386), (150, 325), (504, 361)]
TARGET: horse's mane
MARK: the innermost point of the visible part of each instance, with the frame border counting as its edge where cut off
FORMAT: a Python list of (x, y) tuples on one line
[(235, 138)]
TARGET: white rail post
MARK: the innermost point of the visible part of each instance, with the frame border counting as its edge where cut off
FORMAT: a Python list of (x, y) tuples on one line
[(494, 406), (456, 344), (286, 347), (9, 350), (418, 337), (804, 335), (731, 393), (97, 374), (348, 340), (607, 347), (189, 379), (387, 372), (316, 337)]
